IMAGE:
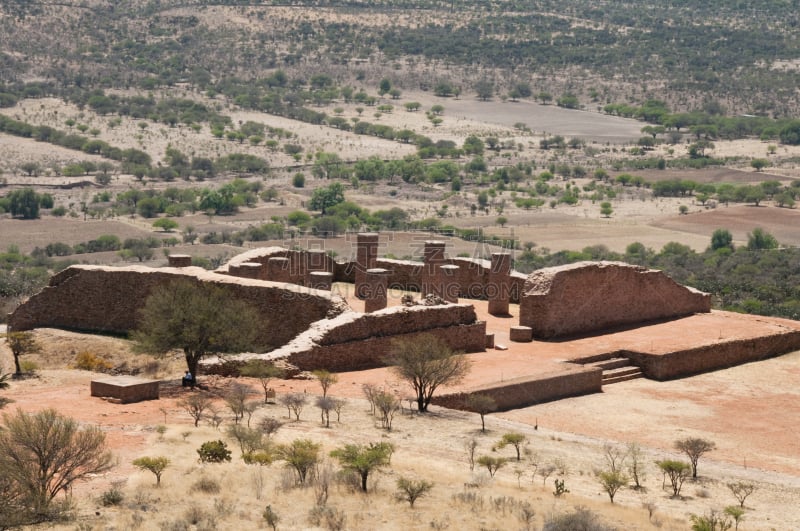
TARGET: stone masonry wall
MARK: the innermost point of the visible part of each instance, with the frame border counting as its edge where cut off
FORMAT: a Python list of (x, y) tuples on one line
[(592, 296), (472, 276), (355, 341), (107, 299), (524, 392), (715, 356)]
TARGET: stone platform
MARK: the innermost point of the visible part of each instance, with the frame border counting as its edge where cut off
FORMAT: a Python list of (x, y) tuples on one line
[(125, 389)]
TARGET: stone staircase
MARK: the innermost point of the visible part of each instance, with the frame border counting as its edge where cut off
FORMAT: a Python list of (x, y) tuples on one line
[(616, 370)]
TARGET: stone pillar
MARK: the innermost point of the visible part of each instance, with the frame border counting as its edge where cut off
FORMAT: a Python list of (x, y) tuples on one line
[(278, 269), (498, 288), (250, 270), (314, 260), (377, 289), (179, 260), (451, 286), (431, 281), (366, 256), (320, 280)]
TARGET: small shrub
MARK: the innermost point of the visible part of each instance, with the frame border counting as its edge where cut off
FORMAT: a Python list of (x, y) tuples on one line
[(206, 485), (28, 366), (214, 452), (111, 497), (89, 361)]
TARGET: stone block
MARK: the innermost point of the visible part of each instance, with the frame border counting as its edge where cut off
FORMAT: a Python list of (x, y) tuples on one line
[(125, 389), (179, 260), (521, 334)]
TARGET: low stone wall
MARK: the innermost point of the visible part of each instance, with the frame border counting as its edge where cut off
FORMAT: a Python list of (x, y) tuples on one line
[(355, 341), (528, 391), (713, 357), (592, 296), (107, 299)]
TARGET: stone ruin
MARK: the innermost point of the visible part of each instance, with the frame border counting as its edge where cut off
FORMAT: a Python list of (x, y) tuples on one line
[(588, 297)]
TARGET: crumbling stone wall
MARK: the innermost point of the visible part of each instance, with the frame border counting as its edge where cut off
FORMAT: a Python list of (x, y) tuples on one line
[(355, 341), (592, 296), (528, 391), (107, 299), (472, 275)]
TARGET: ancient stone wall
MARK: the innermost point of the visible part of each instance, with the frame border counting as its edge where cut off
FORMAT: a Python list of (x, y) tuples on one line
[(107, 299), (355, 341), (472, 276), (714, 356), (528, 391), (592, 296)]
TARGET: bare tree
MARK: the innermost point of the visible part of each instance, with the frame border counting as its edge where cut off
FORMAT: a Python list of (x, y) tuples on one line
[(325, 405), (546, 471), (636, 465), (195, 405), (270, 426), (338, 406), (294, 403), (44, 453), (387, 404), (470, 446), (482, 405), (236, 397), (694, 448), (265, 372), (369, 391), (426, 362), (615, 457)]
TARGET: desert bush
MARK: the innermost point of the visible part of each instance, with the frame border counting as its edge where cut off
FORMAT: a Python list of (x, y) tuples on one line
[(580, 518), (328, 517), (89, 361), (249, 439), (111, 497), (206, 485), (269, 426), (271, 517), (214, 452), (712, 521)]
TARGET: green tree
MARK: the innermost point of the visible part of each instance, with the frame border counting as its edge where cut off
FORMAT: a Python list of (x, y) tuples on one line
[(501, 220), (426, 362), (611, 481), (759, 164), (200, 319), (165, 224), (484, 89), (302, 455), (517, 440), (492, 464), (482, 405), (544, 97), (605, 209), (43, 454), (694, 448), (677, 472), (326, 380), (721, 239), (363, 460), (760, 239), (299, 180), (411, 490), (327, 196), (21, 343), (156, 465), (24, 203)]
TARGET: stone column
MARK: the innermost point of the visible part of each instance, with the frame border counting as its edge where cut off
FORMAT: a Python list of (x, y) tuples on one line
[(431, 281), (314, 260), (377, 289), (179, 260), (320, 280), (278, 269), (451, 286), (250, 270), (366, 256), (498, 287)]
